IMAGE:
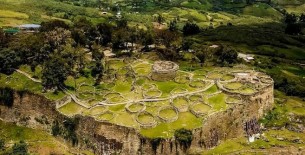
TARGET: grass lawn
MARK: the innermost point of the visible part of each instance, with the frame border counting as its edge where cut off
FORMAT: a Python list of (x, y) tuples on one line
[(180, 102), (95, 111), (202, 108), (125, 119), (218, 101), (168, 113), (212, 90), (233, 85), (71, 109), (39, 142), (136, 107), (122, 87), (242, 145), (186, 120)]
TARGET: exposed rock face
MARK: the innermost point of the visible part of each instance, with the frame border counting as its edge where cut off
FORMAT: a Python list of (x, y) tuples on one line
[(105, 138)]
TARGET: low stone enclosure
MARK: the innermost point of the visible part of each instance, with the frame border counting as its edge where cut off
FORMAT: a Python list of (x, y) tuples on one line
[(164, 70), (125, 114)]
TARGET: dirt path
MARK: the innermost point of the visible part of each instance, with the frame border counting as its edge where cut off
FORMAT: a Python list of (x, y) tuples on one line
[(28, 76)]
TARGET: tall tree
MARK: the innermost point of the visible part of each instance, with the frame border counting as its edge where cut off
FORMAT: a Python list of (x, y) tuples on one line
[(51, 25), (290, 18), (190, 29), (9, 61), (55, 72)]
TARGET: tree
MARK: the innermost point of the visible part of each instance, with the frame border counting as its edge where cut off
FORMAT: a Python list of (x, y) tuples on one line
[(227, 55), (9, 61), (173, 25), (169, 38), (55, 72), (190, 29), (184, 137), (160, 18), (51, 25), (302, 18), (2, 37), (29, 47), (106, 33), (290, 18), (294, 28), (20, 148), (57, 38), (201, 56), (121, 23)]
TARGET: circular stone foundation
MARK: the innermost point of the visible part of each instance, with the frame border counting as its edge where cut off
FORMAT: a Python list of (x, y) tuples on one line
[(96, 110), (200, 109), (168, 114), (195, 98), (104, 117), (198, 84), (164, 70), (135, 107), (233, 99), (146, 120), (182, 79), (152, 93), (180, 103)]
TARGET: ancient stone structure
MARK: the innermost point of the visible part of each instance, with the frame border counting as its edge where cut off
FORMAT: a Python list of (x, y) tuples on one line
[(164, 70), (239, 119)]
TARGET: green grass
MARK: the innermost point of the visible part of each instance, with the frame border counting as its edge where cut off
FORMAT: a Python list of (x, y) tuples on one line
[(240, 145), (167, 113), (211, 90), (95, 111), (122, 87), (218, 101), (166, 130), (180, 102), (145, 118), (105, 117), (247, 90), (71, 109), (125, 119), (195, 98), (227, 77), (38, 140), (233, 99), (202, 108), (168, 86), (215, 75), (136, 107), (262, 10), (233, 85)]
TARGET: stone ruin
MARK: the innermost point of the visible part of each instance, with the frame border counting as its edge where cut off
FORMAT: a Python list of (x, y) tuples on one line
[(164, 70)]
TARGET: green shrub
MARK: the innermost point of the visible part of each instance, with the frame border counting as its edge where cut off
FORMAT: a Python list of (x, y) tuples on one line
[(20, 148), (184, 137), (2, 144), (7, 96)]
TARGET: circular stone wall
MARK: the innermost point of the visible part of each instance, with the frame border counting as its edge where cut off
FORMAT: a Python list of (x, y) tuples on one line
[(164, 70)]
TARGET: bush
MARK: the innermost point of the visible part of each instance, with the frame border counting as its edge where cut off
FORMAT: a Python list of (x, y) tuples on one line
[(190, 29), (2, 144), (20, 148), (7, 96), (184, 137)]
